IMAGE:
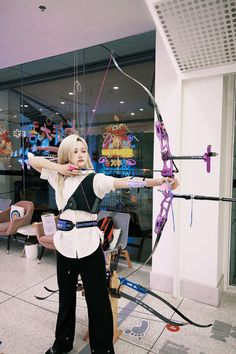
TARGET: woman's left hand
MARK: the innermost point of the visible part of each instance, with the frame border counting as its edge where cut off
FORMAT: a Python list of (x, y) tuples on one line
[(173, 183)]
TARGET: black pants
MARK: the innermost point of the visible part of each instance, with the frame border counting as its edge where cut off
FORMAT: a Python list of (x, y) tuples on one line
[(93, 274)]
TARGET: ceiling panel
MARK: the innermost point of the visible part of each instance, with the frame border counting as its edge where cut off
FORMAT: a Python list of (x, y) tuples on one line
[(200, 33)]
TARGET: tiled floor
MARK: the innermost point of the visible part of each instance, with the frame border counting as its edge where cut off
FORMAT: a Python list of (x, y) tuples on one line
[(27, 324)]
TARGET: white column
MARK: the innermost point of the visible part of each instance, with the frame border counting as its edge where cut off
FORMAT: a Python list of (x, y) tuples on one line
[(165, 262), (189, 261)]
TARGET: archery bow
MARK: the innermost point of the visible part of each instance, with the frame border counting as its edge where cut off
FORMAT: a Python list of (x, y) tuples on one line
[(168, 169), (144, 290), (117, 293)]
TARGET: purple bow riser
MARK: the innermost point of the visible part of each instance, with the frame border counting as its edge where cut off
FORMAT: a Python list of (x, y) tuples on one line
[(167, 169), (164, 210)]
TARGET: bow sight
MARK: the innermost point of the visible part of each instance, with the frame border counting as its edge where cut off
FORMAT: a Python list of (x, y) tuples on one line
[(206, 157)]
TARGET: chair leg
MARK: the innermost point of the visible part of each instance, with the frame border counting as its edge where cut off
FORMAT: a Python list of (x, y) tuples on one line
[(8, 243), (140, 248), (41, 253), (125, 254), (145, 235)]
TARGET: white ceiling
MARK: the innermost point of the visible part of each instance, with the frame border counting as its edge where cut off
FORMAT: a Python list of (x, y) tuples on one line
[(199, 34), (27, 34)]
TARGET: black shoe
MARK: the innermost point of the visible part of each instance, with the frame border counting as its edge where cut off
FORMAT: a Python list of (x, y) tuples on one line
[(53, 350)]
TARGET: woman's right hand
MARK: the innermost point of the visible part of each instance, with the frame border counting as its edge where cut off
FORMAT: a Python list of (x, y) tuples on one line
[(68, 169)]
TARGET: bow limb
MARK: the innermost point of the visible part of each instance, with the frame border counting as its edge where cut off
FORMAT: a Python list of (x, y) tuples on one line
[(159, 118), (168, 164), (150, 309), (141, 289)]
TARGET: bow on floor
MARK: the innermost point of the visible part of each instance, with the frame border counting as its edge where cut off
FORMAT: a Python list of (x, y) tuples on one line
[(141, 289), (144, 290)]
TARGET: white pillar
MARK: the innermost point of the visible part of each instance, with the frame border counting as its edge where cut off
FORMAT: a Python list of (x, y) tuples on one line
[(189, 262)]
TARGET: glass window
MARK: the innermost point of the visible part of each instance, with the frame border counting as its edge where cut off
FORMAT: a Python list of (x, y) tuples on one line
[(42, 101)]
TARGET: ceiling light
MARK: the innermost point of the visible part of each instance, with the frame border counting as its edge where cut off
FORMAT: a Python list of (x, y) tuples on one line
[(122, 102), (141, 109), (132, 114), (71, 93), (40, 109), (57, 112), (42, 8), (62, 102), (93, 110), (115, 87), (26, 106)]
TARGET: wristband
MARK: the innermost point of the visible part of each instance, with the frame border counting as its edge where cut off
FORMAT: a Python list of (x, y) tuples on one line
[(136, 184)]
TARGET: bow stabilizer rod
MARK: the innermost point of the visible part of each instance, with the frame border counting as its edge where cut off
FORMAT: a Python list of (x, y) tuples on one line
[(206, 157), (204, 197)]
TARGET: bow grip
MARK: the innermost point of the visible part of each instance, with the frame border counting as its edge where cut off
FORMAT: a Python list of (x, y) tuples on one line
[(132, 285)]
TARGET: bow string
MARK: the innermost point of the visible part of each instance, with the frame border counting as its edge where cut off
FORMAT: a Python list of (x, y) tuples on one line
[(167, 168)]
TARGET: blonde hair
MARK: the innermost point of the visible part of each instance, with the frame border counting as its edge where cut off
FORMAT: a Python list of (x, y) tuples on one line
[(65, 152)]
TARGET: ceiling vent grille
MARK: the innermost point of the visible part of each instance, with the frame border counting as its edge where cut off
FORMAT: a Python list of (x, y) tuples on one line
[(201, 33)]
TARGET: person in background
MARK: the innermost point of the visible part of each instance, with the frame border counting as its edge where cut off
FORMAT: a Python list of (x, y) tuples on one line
[(78, 192)]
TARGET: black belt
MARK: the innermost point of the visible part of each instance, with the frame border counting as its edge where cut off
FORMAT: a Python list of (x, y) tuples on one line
[(67, 225)]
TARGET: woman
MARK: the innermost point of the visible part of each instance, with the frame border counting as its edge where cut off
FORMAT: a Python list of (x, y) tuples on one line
[(79, 192)]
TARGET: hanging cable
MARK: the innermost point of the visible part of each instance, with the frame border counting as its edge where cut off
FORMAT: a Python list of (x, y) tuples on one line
[(77, 89), (99, 95)]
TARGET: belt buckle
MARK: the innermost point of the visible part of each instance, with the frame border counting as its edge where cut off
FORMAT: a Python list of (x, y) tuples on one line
[(65, 225)]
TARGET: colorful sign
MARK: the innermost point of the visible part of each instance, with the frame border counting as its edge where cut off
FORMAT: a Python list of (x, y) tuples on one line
[(45, 137), (5, 144), (118, 149)]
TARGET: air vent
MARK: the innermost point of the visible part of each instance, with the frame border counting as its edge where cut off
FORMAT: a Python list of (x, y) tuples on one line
[(201, 33)]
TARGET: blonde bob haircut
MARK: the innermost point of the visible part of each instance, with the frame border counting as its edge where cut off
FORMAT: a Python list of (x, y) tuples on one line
[(65, 151), (67, 148)]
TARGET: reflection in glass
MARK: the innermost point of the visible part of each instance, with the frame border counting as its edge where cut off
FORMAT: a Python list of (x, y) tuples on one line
[(43, 101)]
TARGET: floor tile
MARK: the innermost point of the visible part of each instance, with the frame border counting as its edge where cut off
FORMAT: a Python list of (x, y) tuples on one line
[(122, 347), (27, 324), (25, 328), (18, 273), (218, 339), (4, 297)]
